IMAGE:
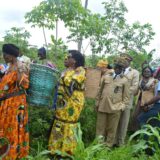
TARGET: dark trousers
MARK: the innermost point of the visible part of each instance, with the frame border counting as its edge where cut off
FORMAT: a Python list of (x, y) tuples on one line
[(149, 116)]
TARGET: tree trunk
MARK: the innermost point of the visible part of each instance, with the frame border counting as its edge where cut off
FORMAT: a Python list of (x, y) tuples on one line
[(45, 40), (86, 4), (56, 40), (80, 40)]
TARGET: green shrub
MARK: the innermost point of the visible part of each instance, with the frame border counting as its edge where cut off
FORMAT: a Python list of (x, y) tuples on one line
[(88, 121), (40, 123)]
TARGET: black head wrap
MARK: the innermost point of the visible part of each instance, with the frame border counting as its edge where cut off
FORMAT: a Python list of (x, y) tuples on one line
[(10, 49), (42, 51), (79, 58)]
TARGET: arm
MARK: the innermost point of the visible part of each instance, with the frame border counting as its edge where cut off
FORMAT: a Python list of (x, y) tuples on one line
[(22, 74), (126, 94), (99, 92), (79, 75), (74, 80), (135, 82), (154, 99)]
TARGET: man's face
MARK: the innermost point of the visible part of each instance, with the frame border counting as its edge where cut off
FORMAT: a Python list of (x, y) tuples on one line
[(118, 69), (128, 63)]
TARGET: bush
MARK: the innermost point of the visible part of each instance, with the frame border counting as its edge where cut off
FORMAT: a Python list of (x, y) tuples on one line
[(40, 123), (88, 121)]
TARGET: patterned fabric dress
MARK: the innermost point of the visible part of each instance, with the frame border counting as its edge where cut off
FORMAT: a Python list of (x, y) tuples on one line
[(70, 102), (14, 114)]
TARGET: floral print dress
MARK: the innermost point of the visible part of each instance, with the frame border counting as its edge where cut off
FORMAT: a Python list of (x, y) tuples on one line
[(70, 102), (14, 114)]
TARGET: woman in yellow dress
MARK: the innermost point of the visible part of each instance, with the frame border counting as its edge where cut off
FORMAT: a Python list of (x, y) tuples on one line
[(70, 102), (14, 135)]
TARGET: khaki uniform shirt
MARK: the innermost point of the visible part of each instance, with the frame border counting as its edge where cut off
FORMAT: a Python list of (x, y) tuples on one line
[(113, 94), (133, 79)]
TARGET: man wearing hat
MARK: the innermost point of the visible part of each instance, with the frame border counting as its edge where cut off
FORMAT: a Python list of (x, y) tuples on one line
[(112, 97), (133, 78)]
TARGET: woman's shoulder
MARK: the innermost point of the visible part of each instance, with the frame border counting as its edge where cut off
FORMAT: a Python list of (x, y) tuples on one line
[(80, 70)]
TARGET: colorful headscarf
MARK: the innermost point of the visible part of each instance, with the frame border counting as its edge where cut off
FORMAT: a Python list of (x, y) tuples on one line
[(102, 63)]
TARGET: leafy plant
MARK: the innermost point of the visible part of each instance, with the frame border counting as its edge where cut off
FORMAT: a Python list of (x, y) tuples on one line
[(151, 138), (88, 121), (39, 153), (40, 123)]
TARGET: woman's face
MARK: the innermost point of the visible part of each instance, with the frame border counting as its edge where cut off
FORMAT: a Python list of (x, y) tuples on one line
[(8, 58), (69, 61), (147, 73)]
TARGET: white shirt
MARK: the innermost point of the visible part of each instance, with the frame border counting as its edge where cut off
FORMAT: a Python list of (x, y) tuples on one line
[(126, 70), (157, 90)]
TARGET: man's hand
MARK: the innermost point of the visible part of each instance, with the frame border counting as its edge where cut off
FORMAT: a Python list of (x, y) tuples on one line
[(96, 108)]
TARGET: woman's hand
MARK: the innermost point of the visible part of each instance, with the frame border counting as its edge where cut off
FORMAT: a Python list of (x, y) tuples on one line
[(145, 107)]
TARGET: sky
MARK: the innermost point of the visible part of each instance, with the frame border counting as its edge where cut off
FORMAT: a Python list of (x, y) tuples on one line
[(12, 15)]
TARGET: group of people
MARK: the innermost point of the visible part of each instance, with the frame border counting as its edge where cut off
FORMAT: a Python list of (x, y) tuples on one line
[(115, 97), (14, 132), (114, 102)]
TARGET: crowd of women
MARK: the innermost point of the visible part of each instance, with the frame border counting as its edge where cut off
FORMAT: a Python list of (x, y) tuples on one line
[(114, 102)]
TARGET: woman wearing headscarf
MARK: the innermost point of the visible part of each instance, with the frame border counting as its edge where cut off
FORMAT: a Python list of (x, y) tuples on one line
[(104, 67), (146, 91), (70, 102), (150, 100), (13, 107)]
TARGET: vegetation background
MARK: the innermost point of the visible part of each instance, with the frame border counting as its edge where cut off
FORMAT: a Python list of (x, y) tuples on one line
[(108, 35)]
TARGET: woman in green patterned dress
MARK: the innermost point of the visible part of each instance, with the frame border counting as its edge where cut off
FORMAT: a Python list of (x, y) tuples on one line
[(70, 102)]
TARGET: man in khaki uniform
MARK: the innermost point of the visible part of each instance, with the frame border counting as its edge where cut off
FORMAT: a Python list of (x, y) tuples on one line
[(112, 98), (133, 79)]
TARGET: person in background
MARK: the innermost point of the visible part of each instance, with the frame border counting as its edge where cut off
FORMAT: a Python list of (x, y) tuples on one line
[(155, 72), (42, 55), (70, 102), (13, 106), (3, 69), (104, 66), (146, 91), (133, 78), (151, 108), (112, 98)]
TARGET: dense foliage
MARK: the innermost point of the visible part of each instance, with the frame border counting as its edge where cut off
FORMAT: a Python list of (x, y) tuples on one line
[(108, 34)]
